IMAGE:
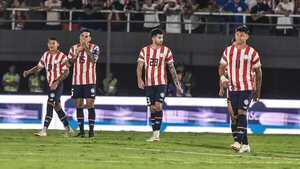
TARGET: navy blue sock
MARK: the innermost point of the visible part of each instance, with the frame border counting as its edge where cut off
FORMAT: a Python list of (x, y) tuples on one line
[(92, 117), (234, 131), (241, 127), (158, 120), (49, 115), (80, 119), (245, 141), (63, 118), (153, 120)]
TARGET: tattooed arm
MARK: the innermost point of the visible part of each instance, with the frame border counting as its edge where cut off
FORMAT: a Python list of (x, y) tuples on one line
[(258, 82), (33, 70), (92, 55), (60, 79), (175, 77)]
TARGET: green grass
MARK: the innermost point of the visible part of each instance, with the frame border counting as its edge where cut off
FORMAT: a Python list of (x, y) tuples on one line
[(128, 150)]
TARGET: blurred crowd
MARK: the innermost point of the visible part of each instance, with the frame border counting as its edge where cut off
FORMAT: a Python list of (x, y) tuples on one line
[(173, 11), (12, 83)]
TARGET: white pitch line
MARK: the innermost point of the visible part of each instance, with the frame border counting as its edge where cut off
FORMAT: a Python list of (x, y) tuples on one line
[(194, 153), (177, 162), (211, 154)]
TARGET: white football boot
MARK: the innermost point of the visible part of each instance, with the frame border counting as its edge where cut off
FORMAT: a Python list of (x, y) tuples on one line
[(155, 136), (245, 149), (236, 146), (69, 132), (42, 133)]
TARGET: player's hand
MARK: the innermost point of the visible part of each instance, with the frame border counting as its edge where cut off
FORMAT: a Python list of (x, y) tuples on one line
[(25, 73), (141, 84), (78, 50), (179, 88), (85, 45), (221, 92), (224, 82), (54, 85), (256, 96)]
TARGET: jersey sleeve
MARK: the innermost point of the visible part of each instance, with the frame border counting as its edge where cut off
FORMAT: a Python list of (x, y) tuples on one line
[(42, 62), (141, 57), (64, 63), (96, 52), (256, 61), (169, 58), (71, 54), (223, 60)]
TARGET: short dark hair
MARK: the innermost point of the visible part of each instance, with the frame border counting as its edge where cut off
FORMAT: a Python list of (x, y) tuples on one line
[(243, 28), (86, 30), (155, 32), (52, 38)]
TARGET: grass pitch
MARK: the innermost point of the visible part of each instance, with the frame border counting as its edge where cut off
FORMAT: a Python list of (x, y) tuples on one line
[(19, 149)]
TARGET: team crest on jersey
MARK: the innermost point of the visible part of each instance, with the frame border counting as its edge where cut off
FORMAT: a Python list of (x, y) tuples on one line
[(161, 55), (162, 95), (56, 61), (52, 95), (246, 57), (92, 90), (246, 102)]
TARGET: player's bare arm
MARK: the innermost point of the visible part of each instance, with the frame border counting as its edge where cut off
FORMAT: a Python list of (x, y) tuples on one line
[(92, 55), (258, 82), (33, 70), (64, 75), (139, 73), (223, 82), (173, 73)]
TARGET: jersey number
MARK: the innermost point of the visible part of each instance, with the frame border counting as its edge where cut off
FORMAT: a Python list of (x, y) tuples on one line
[(153, 62), (82, 59)]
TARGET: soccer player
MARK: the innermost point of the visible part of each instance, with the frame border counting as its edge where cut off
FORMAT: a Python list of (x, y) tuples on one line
[(224, 91), (53, 62), (83, 56), (154, 58), (241, 60)]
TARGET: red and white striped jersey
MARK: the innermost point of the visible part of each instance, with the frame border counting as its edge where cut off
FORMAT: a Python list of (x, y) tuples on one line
[(240, 64), (84, 70), (155, 62), (54, 65)]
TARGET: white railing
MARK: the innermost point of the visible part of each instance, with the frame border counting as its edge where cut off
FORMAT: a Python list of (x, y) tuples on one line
[(129, 12)]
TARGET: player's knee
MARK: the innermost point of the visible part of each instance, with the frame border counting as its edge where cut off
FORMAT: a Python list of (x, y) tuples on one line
[(158, 106), (234, 119), (79, 103), (152, 108), (90, 103), (50, 102), (242, 112), (57, 106)]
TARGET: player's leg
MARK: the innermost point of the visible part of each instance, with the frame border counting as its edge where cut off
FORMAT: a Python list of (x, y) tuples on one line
[(245, 100), (157, 110), (233, 117), (61, 114), (49, 114), (149, 92), (80, 116), (77, 94), (90, 94), (233, 104), (92, 116)]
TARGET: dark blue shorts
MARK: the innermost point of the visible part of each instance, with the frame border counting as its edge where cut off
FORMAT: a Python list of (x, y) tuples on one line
[(54, 95), (155, 94), (240, 99), (84, 91)]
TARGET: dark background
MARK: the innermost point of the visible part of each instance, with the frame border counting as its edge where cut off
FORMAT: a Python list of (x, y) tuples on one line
[(199, 53)]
